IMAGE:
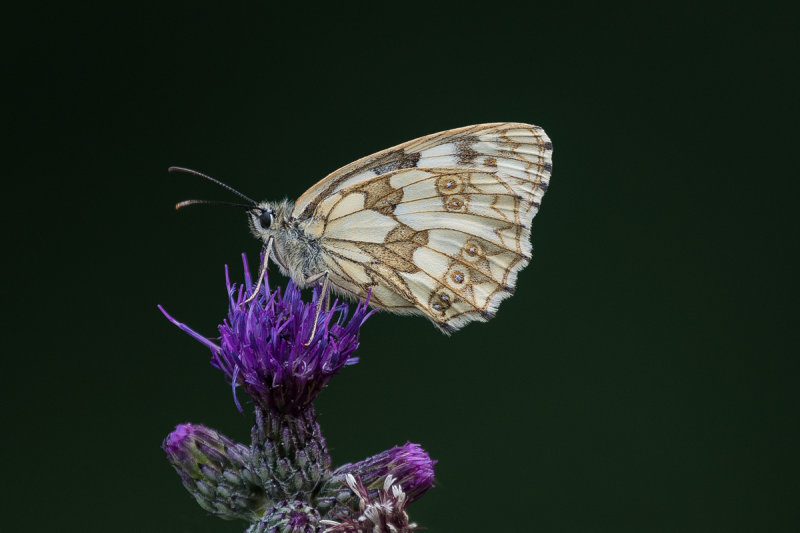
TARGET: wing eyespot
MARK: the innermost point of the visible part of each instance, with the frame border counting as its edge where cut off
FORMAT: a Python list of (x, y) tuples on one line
[(449, 184), (456, 204), (472, 251)]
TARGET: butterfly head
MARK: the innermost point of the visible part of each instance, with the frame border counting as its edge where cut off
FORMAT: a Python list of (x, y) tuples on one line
[(268, 218)]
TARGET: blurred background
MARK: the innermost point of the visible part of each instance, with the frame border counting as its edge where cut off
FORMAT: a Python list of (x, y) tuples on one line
[(642, 378)]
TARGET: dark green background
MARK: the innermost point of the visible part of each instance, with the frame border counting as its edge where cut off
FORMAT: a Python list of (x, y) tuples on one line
[(641, 379)]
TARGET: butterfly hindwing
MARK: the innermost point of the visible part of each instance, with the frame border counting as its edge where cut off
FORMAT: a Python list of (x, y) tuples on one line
[(446, 243)]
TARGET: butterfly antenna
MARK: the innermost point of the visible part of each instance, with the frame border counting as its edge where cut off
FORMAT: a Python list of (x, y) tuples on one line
[(187, 203), (209, 178)]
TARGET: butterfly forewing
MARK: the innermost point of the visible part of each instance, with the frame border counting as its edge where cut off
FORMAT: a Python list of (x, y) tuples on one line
[(516, 150), (438, 226)]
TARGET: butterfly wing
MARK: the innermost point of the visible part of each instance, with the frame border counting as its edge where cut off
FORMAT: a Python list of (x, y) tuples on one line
[(514, 149), (438, 226)]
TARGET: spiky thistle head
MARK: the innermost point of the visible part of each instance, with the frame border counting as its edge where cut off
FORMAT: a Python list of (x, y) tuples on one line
[(262, 343), (215, 470)]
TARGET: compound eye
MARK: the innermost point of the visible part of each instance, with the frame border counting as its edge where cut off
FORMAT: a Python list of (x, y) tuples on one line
[(265, 219)]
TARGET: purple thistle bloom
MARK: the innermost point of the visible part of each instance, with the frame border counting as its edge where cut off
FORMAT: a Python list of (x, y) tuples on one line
[(262, 344), (282, 481), (409, 465), (215, 470)]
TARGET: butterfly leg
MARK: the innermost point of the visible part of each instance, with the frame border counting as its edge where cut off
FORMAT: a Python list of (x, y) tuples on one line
[(323, 296), (262, 271)]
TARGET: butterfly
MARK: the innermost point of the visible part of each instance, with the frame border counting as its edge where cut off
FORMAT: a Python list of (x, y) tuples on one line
[(438, 226)]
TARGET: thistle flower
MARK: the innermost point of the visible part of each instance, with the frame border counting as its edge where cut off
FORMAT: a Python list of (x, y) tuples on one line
[(214, 470), (409, 465), (288, 517), (262, 344), (283, 481)]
